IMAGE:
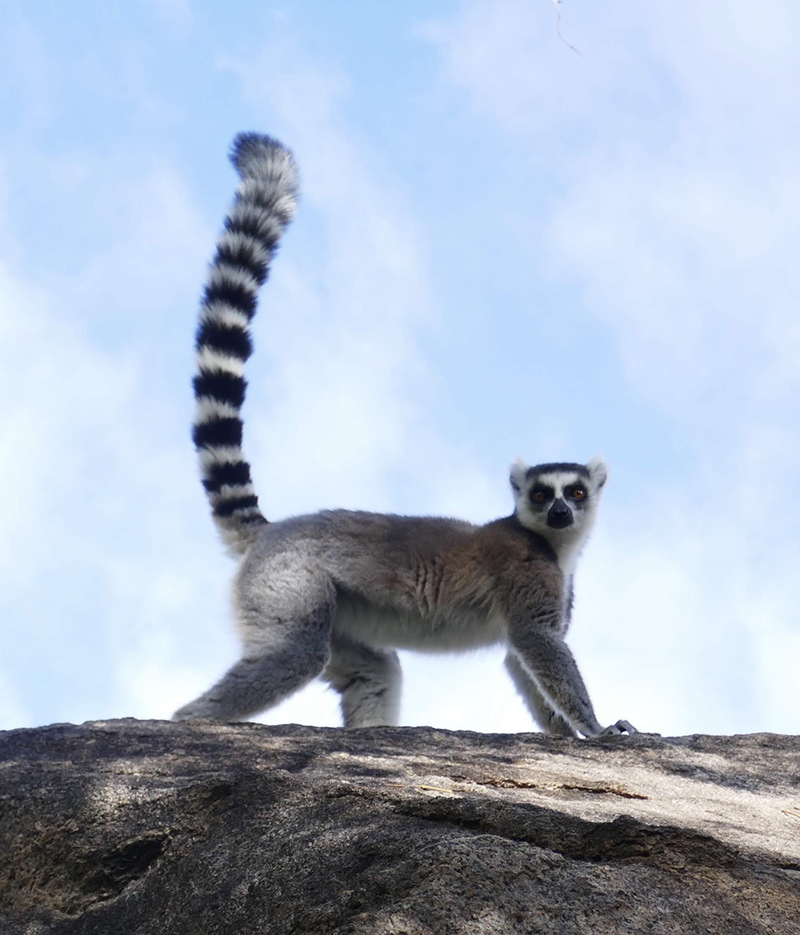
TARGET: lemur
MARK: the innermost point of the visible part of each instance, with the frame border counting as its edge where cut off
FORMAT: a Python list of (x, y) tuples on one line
[(336, 593)]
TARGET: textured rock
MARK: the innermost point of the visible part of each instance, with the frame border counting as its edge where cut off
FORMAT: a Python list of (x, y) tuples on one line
[(151, 827)]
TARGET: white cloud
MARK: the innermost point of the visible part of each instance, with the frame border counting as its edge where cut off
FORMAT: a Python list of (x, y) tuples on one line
[(678, 216), (692, 267), (508, 56)]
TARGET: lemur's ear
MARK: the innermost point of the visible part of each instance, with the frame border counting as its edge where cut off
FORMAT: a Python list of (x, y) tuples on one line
[(598, 471), (517, 473)]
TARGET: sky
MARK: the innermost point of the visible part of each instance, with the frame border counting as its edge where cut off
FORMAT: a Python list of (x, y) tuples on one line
[(518, 236)]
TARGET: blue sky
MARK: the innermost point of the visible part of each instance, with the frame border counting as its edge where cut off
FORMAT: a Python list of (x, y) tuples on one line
[(503, 248)]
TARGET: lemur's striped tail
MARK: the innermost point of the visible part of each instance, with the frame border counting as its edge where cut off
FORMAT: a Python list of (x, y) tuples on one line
[(264, 204)]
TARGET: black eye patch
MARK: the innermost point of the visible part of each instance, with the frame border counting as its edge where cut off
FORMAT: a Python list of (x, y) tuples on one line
[(541, 493)]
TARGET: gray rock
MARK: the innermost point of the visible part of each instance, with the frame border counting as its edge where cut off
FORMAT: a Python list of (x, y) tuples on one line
[(151, 827)]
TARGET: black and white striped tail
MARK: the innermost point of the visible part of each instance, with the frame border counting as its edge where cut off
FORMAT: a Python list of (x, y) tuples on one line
[(264, 204)]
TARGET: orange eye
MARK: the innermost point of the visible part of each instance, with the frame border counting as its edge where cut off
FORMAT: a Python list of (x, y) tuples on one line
[(578, 494), (538, 496)]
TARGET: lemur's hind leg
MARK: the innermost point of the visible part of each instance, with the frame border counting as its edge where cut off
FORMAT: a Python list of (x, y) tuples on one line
[(286, 628), (368, 681), (542, 712)]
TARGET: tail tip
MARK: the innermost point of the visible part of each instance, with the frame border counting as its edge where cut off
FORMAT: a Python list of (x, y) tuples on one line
[(257, 156)]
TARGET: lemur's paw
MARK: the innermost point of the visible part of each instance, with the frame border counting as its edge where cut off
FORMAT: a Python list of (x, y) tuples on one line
[(619, 727)]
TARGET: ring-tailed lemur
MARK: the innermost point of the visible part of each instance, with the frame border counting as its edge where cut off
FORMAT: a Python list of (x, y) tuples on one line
[(336, 593)]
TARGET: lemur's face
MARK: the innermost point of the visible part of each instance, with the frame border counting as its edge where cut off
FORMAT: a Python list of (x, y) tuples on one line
[(556, 498)]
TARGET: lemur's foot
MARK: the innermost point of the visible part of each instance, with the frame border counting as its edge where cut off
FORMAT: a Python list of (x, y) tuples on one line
[(620, 727)]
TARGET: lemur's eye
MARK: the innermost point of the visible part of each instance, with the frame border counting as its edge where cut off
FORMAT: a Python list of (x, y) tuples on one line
[(538, 496), (578, 494)]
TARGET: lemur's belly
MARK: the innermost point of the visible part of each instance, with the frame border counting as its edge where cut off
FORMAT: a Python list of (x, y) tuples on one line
[(388, 627)]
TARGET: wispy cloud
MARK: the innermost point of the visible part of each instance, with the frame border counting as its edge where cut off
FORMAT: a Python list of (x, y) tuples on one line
[(89, 439)]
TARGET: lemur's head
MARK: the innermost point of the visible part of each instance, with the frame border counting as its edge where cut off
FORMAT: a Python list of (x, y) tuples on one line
[(558, 501)]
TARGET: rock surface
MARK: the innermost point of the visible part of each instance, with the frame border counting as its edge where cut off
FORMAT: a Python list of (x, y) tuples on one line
[(150, 827)]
